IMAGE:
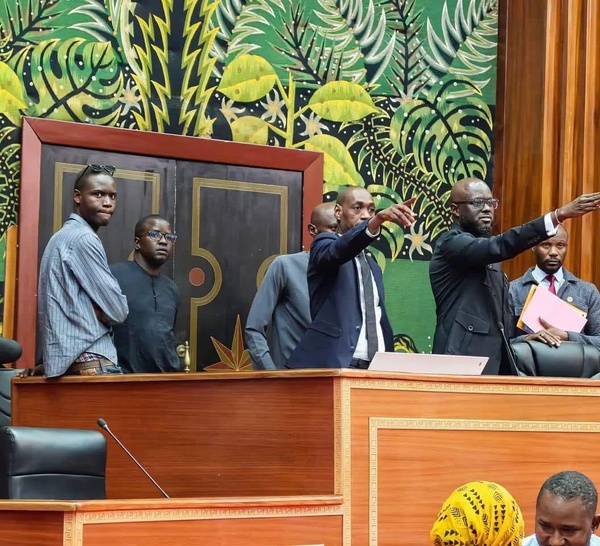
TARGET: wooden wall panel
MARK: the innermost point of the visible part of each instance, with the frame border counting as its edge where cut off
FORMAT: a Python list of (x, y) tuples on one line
[(547, 120)]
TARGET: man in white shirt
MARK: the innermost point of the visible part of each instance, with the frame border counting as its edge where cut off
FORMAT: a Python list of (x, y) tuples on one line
[(565, 512), (346, 287)]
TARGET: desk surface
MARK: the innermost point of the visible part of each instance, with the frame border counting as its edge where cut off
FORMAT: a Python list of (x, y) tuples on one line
[(168, 504), (314, 373)]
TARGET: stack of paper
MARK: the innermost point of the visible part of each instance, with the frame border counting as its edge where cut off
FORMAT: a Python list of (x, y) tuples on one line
[(542, 303)]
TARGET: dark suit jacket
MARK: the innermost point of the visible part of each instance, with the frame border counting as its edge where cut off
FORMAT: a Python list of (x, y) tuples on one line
[(331, 338), (471, 292)]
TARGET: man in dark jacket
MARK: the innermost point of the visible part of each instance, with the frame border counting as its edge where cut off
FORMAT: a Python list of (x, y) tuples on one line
[(470, 290), (349, 319)]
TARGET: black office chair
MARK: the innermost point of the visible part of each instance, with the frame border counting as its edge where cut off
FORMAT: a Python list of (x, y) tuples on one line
[(571, 359), (52, 463), (6, 375)]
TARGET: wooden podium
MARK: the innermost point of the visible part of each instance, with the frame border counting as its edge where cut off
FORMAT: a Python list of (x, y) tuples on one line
[(393, 446)]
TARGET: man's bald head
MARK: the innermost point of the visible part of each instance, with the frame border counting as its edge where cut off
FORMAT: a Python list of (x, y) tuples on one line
[(322, 219), (461, 191), (472, 206)]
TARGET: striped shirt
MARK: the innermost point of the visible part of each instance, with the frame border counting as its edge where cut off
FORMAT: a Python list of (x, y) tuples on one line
[(74, 275)]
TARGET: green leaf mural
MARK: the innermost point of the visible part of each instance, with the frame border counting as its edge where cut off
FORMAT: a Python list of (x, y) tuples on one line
[(448, 137), (30, 22), (467, 45), (295, 38), (339, 169), (11, 93), (247, 78), (250, 129), (71, 80), (342, 101)]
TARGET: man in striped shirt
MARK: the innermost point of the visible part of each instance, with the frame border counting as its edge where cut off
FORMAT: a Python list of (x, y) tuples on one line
[(78, 297)]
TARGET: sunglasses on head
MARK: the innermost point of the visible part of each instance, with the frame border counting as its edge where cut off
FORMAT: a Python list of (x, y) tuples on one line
[(110, 169)]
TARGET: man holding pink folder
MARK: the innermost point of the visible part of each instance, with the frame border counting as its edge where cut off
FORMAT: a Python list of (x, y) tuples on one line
[(579, 317)]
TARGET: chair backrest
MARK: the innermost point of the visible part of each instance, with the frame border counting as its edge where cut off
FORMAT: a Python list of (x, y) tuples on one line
[(571, 359), (6, 375), (51, 463)]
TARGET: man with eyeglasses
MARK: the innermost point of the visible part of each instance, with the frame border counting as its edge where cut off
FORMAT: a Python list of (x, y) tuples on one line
[(146, 340), (469, 288), (78, 298)]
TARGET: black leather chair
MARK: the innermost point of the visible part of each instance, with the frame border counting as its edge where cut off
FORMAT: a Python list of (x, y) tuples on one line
[(571, 359), (52, 463), (6, 375)]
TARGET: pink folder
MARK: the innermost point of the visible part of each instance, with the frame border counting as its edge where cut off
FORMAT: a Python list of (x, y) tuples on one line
[(553, 310)]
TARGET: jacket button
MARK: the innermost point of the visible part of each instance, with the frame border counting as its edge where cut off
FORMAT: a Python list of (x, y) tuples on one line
[(470, 328), (352, 348), (358, 328)]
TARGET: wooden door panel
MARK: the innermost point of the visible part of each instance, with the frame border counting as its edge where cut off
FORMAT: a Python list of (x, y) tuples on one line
[(231, 223)]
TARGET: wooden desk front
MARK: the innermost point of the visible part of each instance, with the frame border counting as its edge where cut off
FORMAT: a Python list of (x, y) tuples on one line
[(392, 445), (173, 522)]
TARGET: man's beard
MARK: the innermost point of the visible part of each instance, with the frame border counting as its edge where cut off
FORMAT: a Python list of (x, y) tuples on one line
[(478, 230)]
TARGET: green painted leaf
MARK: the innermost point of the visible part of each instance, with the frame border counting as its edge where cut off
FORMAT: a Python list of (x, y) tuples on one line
[(342, 101), (247, 78), (297, 38), (384, 197), (250, 129), (448, 136), (378, 256), (339, 169), (71, 80), (11, 94), (30, 22)]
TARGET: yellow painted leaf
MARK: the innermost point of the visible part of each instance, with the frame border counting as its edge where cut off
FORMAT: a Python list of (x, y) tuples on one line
[(247, 78), (342, 101), (250, 129), (338, 169), (11, 92)]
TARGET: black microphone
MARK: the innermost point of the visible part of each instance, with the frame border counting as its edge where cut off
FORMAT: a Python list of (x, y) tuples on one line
[(511, 356), (102, 424)]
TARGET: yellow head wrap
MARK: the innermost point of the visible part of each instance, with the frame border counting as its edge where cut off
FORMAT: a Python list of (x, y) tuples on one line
[(479, 514)]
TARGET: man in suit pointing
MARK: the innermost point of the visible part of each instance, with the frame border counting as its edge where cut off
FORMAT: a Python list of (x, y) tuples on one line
[(346, 287), (470, 290)]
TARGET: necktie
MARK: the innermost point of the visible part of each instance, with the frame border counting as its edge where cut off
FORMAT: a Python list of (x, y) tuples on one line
[(370, 320), (552, 288)]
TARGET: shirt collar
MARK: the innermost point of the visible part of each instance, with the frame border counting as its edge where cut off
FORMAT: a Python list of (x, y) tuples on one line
[(540, 275)]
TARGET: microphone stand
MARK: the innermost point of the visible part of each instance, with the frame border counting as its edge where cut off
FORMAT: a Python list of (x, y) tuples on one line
[(102, 424)]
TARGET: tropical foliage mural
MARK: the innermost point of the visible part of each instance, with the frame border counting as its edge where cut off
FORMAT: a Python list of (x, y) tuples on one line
[(397, 94)]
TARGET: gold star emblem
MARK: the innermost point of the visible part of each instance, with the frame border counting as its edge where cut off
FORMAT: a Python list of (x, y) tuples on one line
[(236, 359)]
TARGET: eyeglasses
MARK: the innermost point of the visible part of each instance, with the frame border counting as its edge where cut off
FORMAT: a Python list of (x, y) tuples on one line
[(479, 203), (158, 235), (110, 169)]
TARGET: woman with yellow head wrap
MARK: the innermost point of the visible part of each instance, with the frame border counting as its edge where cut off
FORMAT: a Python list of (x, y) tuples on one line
[(479, 514)]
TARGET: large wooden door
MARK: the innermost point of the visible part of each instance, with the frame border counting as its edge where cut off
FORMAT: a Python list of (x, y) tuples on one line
[(235, 207)]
